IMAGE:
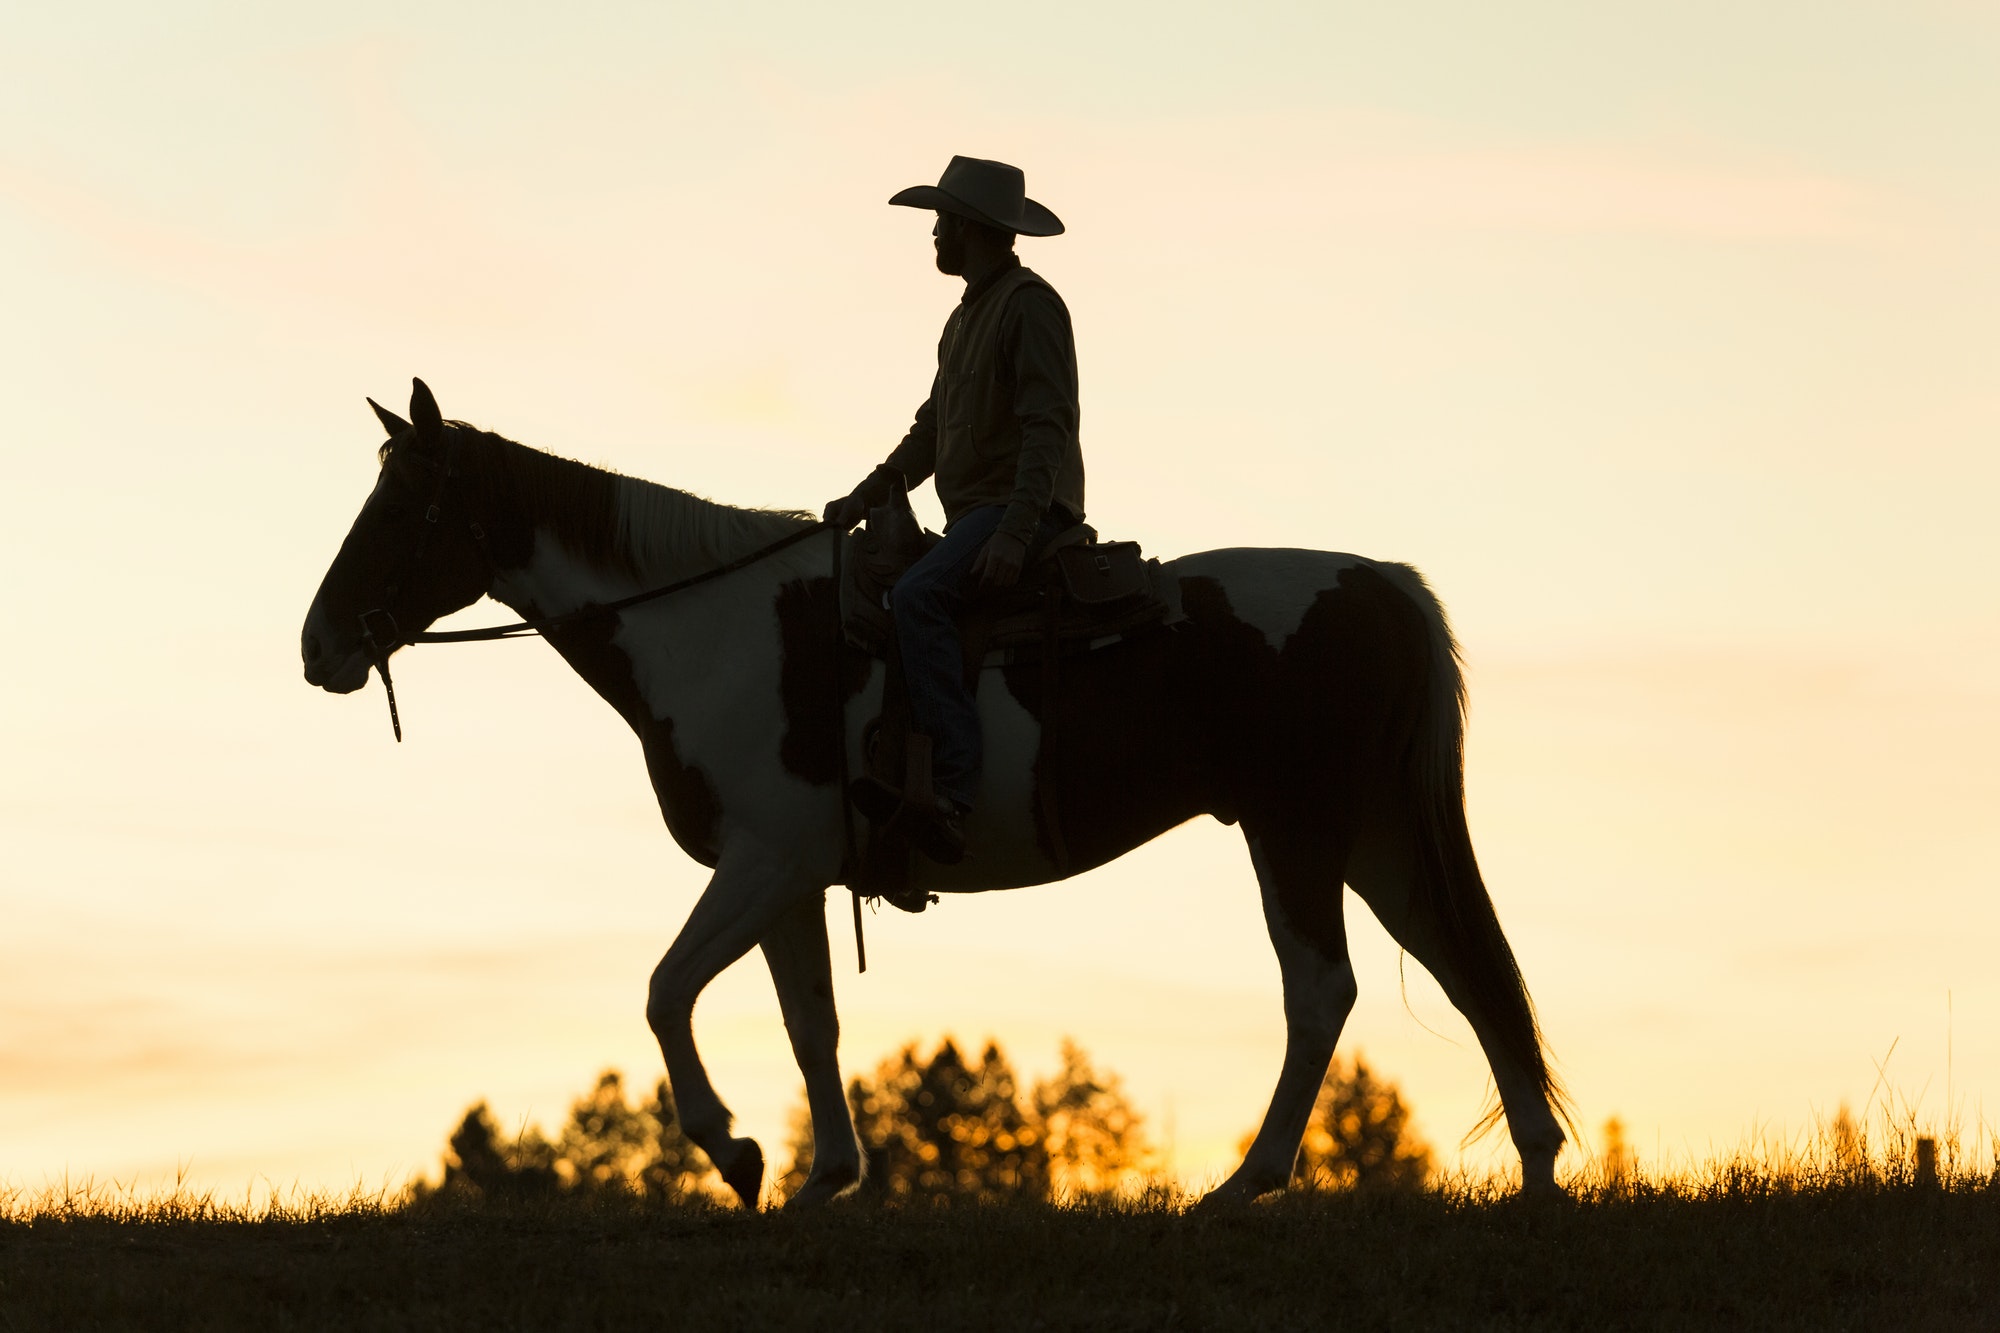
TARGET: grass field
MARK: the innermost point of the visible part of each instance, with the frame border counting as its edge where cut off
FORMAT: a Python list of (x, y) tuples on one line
[(1739, 1246)]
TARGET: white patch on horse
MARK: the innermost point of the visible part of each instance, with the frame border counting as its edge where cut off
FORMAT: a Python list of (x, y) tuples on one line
[(695, 656), (1269, 590), (555, 582)]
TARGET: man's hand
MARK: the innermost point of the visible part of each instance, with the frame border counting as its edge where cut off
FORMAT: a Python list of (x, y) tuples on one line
[(998, 564), (845, 512)]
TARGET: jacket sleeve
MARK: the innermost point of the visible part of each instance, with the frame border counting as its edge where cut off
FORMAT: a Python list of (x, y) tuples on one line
[(1036, 339), (916, 456)]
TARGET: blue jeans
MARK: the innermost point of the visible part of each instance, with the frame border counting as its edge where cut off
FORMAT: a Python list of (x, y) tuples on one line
[(927, 600)]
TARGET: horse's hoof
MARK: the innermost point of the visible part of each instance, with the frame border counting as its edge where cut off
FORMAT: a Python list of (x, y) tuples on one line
[(1538, 1178), (821, 1190), (1230, 1196), (745, 1175)]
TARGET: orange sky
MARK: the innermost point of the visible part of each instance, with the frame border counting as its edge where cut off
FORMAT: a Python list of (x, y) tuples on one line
[(1663, 342)]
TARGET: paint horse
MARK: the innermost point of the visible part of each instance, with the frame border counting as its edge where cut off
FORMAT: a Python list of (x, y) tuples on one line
[(1313, 698)]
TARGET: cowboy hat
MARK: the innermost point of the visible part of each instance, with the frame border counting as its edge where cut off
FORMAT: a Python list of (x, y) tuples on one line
[(989, 192)]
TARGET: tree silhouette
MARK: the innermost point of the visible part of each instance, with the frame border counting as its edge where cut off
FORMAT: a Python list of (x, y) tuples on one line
[(933, 1129), (1094, 1139), (1359, 1136), (608, 1144), (941, 1129), (937, 1128)]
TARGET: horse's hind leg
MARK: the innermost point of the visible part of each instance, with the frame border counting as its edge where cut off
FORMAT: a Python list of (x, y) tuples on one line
[(1299, 872), (748, 895), (802, 971), (1384, 869)]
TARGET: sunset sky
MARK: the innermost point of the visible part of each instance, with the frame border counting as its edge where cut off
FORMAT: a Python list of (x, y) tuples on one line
[(1662, 337)]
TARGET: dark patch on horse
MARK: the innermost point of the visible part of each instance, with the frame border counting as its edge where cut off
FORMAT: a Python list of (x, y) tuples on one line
[(1146, 733), (813, 652), (1208, 718), (1344, 710), (687, 799), (1362, 639), (1228, 679)]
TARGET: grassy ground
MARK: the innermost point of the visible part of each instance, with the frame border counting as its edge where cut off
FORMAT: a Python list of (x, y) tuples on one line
[(1744, 1251)]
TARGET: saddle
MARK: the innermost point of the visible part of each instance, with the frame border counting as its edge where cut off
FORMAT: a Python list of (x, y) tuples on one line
[(1097, 592), (1076, 594)]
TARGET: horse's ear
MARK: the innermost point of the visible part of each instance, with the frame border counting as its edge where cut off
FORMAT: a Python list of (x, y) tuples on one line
[(424, 411), (392, 423)]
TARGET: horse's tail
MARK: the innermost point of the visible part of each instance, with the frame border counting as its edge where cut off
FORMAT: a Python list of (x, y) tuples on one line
[(1450, 892)]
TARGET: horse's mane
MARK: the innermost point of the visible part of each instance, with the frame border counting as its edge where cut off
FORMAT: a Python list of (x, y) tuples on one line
[(627, 523)]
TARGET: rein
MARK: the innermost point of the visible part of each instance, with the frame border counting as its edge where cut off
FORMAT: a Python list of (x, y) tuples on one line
[(380, 646), (522, 629)]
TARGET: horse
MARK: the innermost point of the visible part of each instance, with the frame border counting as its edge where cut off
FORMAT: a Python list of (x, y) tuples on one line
[(1314, 698)]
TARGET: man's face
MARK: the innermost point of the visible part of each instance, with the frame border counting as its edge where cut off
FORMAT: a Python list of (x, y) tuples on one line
[(948, 237)]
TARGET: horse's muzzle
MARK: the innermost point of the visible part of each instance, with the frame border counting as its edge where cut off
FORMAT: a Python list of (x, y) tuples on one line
[(333, 671)]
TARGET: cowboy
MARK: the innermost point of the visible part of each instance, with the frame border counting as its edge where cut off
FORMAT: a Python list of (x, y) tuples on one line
[(999, 436)]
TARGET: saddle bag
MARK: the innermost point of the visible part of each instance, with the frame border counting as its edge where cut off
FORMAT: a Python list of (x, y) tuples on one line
[(1103, 573)]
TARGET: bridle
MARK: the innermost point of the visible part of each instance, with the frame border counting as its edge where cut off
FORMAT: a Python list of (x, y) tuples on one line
[(380, 635)]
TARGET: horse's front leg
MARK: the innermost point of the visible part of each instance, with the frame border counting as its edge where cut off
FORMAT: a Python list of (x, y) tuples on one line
[(802, 971), (750, 892)]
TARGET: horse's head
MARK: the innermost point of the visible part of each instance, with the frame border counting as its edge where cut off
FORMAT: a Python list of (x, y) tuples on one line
[(414, 553)]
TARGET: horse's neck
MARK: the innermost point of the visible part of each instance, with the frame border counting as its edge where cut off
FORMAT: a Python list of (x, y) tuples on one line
[(557, 580), (635, 536)]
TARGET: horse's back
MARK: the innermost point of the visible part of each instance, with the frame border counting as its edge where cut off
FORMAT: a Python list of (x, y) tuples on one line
[(1270, 588), (1300, 652)]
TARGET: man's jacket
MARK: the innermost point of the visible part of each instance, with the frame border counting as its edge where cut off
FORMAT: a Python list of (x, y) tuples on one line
[(1000, 426)]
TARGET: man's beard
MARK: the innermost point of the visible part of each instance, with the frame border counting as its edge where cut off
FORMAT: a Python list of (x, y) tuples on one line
[(951, 256)]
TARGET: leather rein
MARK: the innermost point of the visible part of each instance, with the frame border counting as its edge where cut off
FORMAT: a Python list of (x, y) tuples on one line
[(381, 636)]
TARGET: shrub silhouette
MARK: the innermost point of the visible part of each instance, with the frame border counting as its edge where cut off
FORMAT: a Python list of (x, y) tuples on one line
[(479, 1161), (605, 1145), (1619, 1161)]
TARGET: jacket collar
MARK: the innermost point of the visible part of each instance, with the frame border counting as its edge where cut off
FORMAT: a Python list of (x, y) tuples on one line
[(975, 290)]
